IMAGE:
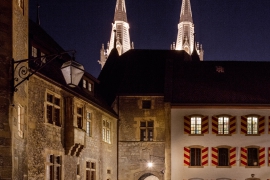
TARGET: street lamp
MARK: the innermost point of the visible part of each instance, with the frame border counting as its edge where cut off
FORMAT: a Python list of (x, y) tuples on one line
[(71, 70)]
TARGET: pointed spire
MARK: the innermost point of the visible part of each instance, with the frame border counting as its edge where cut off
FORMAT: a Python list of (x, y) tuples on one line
[(38, 19), (120, 11), (194, 55), (186, 14)]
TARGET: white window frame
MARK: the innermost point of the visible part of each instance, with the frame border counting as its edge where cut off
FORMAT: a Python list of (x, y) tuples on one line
[(54, 108), (106, 131), (53, 166), (88, 123), (92, 169), (251, 127), (222, 127), (196, 123)]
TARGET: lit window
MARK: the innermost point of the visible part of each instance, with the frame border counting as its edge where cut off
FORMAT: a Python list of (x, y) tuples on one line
[(195, 156), (79, 117), (146, 130), (90, 170), (84, 83), (146, 104), (20, 120), (53, 109), (88, 123), (43, 59), (223, 125), (54, 167), (253, 156), (223, 157), (34, 52), (196, 125), (21, 3), (89, 87), (106, 131), (252, 125)]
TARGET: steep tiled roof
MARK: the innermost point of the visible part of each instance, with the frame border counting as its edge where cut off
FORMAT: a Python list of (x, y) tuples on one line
[(182, 81)]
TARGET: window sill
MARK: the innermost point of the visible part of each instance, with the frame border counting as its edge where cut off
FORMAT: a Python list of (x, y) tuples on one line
[(196, 134), (224, 134), (195, 166), (252, 134), (252, 166), (52, 125), (223, 167)]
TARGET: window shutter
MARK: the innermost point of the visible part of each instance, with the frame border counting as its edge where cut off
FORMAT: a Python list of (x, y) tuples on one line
[(233, 125), (232, 156), (261, 125), (186, 156), (205, 156), (187, 125), (262, 156), (269, 125), (205, 125), (214, 156), (269, 156), (243, 156), (243, 125), (214, 125)]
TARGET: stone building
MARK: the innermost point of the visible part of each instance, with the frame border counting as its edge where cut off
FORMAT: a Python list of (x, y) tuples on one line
[(49, 130)]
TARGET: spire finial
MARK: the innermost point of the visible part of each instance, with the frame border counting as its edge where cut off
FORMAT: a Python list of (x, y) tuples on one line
[(38, 19)]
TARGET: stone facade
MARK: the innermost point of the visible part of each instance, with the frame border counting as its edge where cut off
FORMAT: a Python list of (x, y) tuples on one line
[(45, 139), (134, 152)]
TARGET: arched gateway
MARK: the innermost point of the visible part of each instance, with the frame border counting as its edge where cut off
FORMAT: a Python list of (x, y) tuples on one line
[(148, 176)]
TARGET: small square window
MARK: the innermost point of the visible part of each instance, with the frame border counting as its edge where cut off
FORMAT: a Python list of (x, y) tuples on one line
[(146, 104)]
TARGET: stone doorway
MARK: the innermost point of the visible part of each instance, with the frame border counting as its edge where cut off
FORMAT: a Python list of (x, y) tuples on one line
[(148, 176)]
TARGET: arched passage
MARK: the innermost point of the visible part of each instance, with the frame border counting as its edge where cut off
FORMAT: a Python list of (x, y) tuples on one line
[(148, 176)]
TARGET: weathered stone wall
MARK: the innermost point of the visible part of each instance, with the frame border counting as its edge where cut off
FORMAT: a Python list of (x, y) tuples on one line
[(45, 139), (135, 154)]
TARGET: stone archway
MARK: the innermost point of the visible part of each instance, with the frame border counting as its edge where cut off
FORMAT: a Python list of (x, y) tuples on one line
[(148, 176)]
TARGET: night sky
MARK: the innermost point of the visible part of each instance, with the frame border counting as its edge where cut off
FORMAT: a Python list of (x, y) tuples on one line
[(228, 29)]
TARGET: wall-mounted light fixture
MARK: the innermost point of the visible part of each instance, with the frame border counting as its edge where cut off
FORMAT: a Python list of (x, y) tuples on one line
[(71, 70)]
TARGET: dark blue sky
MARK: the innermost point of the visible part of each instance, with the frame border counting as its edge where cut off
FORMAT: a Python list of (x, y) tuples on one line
[(228, 29)]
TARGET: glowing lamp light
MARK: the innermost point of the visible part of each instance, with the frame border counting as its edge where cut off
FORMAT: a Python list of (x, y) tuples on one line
[(150, 164), (72, 72)]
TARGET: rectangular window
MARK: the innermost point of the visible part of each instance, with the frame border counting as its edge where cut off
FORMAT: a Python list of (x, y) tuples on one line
[(53, 109), (79, 117), (146, 104), (90, 170), (84, 83), (195, 156), (223, 156), (252, 125), (223, 125), (54, 167), (196, 125), (253, 156), (106, 131), (34, 50), (88, 123), (20, 120), (89, 87), (146, 130)]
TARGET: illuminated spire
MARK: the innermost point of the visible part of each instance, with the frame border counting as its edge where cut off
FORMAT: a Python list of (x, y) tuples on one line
[(185, 38), (121, 26)]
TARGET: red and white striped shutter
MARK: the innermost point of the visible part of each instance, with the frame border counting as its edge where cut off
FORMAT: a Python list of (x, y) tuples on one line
[(243, 125), (233, 125), (214, 156), (261, 125), (214, 125), (205, 156), (269, 156), (269, 125), (186, 156), (187, 125), (262, 156), (232, 156), (205, 125), (243, 161)]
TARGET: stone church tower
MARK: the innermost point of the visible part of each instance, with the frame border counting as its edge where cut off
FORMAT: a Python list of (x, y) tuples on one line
[(185, 38), (122, 33)]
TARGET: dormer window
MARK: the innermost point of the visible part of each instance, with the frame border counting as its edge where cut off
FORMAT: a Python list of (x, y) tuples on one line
[(84, 83), (34, 52), (89, 87)]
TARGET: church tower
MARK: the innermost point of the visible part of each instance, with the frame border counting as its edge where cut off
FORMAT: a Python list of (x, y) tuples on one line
[(122, 33), (185, 37)]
